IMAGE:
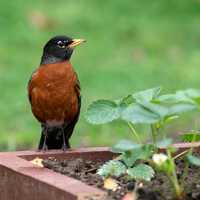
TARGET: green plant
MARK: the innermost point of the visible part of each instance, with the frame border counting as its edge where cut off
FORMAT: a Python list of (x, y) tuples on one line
[(191, 136), (130, 162), (166, 163), (137, 160), (144, 107)]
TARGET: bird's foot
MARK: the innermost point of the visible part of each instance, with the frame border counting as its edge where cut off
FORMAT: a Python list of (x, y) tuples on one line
[(44, 148), (64, 147)]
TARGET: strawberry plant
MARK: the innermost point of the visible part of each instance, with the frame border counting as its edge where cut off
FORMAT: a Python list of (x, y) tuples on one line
[(167, 164), (129, 162), (137, 160), (144, 107)]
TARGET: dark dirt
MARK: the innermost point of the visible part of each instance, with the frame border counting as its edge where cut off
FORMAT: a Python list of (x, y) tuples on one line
[(158, 189)]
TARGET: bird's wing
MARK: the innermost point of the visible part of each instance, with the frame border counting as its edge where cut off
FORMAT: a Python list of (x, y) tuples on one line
[(31, 84), (30, 88), (78, 89), (69, 127)]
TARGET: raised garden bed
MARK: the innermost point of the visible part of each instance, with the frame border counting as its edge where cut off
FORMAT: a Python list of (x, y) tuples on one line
[(20, 179), (157, 189)]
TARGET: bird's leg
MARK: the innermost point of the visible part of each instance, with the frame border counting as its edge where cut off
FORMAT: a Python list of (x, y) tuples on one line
[(44, 147), (64, 147)]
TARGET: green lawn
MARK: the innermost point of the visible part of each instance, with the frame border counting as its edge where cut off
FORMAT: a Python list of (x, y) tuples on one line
[(131, 45)]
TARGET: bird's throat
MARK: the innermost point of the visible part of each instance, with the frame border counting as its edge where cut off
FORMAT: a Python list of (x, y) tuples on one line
[(49, 59)]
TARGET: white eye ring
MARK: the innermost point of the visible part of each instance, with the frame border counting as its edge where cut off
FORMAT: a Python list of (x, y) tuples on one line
[(61, 44)]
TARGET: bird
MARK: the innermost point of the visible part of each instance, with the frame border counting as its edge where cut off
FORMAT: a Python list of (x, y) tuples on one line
[(54, 93)]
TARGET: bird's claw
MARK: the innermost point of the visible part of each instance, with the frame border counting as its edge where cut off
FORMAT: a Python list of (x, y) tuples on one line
[(64, 147), (44, 148)]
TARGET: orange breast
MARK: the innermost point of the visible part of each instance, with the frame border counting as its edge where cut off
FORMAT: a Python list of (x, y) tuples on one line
[(53, 93)]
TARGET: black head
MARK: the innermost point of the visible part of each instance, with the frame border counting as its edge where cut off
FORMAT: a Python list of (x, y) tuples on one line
[(58, 49)]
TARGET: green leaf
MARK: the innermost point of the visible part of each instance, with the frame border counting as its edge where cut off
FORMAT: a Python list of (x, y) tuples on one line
[(172, 109), (141, 172), (112, 168), (148, 150), (164, 143), (125, 145), (194, 160), (189, 95), (149, 112), (167, 98), (127, 100), (102, 111), (180, 108), (193, 136), (142, 153), (183, 96), (147, 95), (129, 157), (158, 109), (138, 114)]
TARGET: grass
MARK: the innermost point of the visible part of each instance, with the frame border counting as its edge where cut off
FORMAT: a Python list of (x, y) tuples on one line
[(131, 45)]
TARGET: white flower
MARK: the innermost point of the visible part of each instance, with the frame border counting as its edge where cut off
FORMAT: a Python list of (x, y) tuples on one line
[(159, 159)]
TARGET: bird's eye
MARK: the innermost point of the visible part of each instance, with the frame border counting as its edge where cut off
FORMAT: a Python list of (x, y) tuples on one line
[(61, 44)]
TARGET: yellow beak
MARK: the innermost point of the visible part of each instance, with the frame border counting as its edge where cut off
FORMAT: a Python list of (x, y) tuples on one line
[(76, 42)]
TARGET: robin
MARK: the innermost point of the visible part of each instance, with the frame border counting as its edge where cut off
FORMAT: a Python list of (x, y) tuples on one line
[(54, 93)]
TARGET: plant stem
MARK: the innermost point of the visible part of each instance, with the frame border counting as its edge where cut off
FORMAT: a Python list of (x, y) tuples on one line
[(173, 177), (177, 187), (153, 133), (134, 132), (180, 154)]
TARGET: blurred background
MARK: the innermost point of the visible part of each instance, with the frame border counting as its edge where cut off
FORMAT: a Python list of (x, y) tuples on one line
[(131, 45)]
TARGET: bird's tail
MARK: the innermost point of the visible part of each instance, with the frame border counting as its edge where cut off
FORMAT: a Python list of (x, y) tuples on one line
[(54, 138)]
